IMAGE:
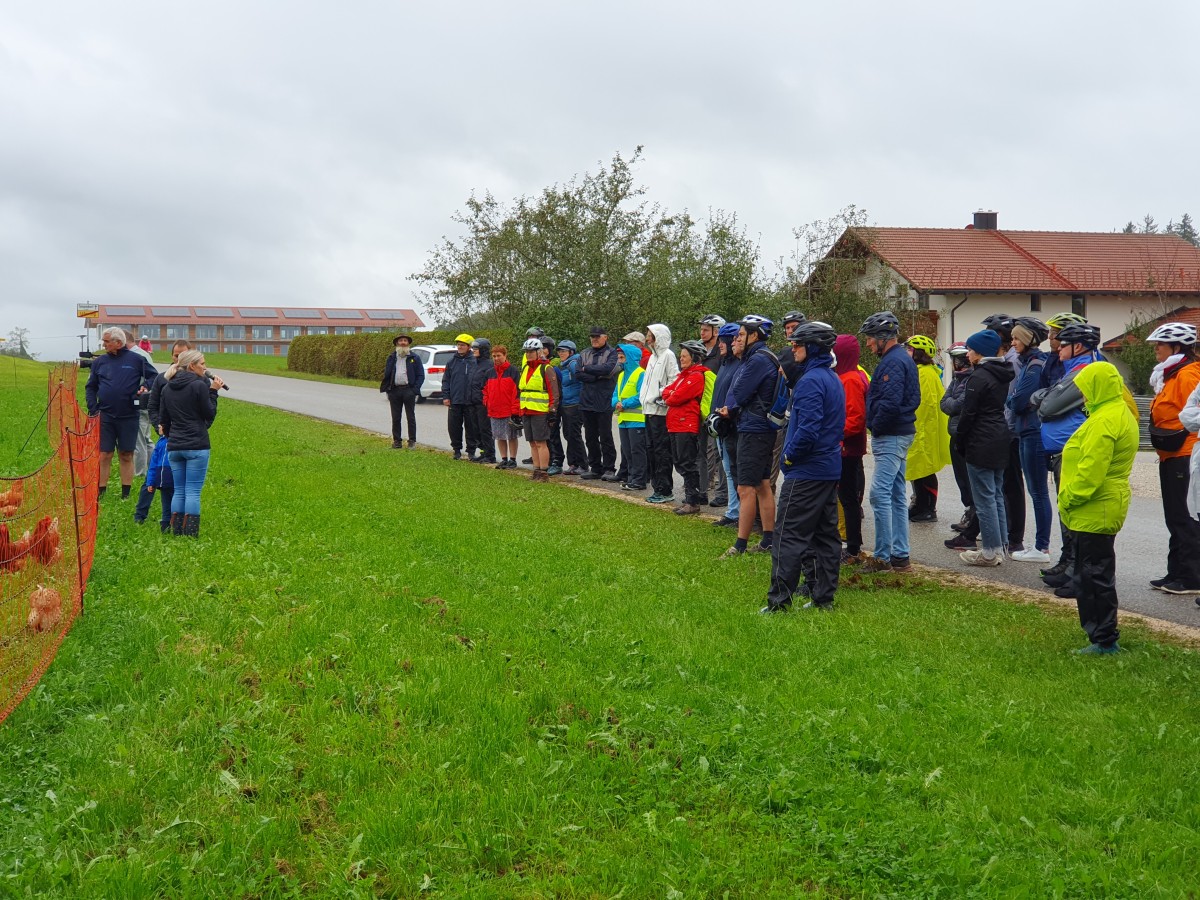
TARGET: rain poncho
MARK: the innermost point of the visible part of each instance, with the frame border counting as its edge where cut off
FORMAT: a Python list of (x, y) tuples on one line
[(930, 450)]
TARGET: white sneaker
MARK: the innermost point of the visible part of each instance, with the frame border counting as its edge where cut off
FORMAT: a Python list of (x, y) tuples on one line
[(1031, 555), (976, 558)]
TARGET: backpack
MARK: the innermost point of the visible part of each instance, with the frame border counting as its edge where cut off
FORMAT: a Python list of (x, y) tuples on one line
[(710, 381), (777, 412)]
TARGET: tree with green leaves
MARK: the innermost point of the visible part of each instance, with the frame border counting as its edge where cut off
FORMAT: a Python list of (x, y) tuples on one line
[(592, 251), (1184, 228)]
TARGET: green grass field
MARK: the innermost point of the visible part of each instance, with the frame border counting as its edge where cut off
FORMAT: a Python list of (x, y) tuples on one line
[(383, 673)]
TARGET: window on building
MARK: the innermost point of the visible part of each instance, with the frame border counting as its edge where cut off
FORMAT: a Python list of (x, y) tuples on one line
[(206, 332), (1079, 305), (207, 348), (262, 332), (235, 348), (1035, 302), (289, 332), (343, 329), (371, 330), (264, 350), (235, 332), (153, 332), (177, 332), (317, 329)]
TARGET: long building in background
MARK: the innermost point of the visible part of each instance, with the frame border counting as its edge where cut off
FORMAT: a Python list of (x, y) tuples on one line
[(266, 330)]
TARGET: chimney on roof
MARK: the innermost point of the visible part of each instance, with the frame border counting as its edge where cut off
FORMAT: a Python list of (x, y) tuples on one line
[(985, 220)]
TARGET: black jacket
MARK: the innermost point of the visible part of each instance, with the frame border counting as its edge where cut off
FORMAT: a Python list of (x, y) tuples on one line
[(952, 400), (983, 437), (416, 373), (456, 380), (186, 410), (153, 410), (598, 373)]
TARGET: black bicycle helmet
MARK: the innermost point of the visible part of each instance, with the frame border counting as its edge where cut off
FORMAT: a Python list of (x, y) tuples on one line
[(1088, 335), (794, 316), (818, 333), (883, 325), (1001, 323), (1035, 325), (697, 349), (547, 344)]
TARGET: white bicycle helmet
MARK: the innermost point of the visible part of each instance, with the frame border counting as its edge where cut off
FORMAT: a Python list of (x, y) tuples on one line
[(712, 319), (532, 344), (1173, 333)]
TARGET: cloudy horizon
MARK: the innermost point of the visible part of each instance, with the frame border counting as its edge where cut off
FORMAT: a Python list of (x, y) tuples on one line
[(312, 155)]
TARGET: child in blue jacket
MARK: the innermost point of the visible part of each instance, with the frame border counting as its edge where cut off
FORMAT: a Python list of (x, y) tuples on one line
[(158, 478)]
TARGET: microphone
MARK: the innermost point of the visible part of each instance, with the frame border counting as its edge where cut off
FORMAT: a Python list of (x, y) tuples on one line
[(209, 375)]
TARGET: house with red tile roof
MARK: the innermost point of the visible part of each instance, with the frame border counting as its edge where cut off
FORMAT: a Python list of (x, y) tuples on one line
[(265, 330), (962, 275)]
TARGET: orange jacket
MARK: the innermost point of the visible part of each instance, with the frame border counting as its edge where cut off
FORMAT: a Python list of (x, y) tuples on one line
[(1164, 410)]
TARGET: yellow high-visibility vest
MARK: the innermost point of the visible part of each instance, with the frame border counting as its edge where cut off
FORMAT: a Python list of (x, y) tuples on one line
[(534, 396), (627, 388)]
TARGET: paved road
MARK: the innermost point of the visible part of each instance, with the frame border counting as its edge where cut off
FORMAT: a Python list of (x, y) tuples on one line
[(1141, 545)]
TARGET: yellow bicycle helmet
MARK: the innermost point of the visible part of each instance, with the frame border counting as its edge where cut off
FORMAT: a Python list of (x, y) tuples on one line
[(921, 342)]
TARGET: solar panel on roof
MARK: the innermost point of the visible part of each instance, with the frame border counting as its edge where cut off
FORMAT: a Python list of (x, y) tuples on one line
[(223, 312), (257, 313), (343, 313), (385, 314), (169, 310), (300, 314), (125, 310)]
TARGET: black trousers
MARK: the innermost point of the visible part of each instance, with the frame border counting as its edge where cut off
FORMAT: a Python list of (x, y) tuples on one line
[(633, 455), (684, 450), (403, 401), (462, 417), (555, 444), (960, 476), (1183, 548), (708, 462), (806, 541), (1054, 464), (850, 495), (601, 449), (483, 428), (1014, 494), (925, 493), (1096, 578), (572, 430), (658, 455)]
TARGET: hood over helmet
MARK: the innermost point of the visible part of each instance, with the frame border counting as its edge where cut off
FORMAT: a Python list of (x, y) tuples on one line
[(848, 352), (1099, 382)]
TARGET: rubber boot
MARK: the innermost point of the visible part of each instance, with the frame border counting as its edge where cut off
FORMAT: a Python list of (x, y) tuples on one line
[(176, 523), (191, 526)]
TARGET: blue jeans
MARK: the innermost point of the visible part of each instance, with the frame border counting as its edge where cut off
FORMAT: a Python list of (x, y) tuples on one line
[(735, 505), (188, 469), (987, 490), (1033, 466), (889, 495)]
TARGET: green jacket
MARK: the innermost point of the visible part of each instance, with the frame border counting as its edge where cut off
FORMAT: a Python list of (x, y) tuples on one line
[(1097, 460)]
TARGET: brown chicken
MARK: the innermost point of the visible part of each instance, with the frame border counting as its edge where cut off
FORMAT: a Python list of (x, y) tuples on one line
[(44, 546), (45, 608)]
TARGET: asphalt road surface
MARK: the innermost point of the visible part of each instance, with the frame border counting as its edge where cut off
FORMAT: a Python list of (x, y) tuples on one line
[(1141, 545)]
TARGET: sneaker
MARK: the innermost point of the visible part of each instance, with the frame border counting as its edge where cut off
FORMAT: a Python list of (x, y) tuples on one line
[(849, 559), (687, 509), (731, 553), (661, 498), (813, 604), (718, 501), (458, 454), (412, 444), (1157, 583), (965, 522), (901, 564), (1038, 556), (138, 520), (632, 486), (554, 470), (759, 548), (1178, 587), (397, 445), (503, 464), (1097, 650), (874, 564), (590, 476), (958, 542), (527, 462), (927, 516), (770, 610), (724, 522), (1067, 591), (574, 470), (703, 501), (610, 476), (976, 558), (1059, 568), (1056, 581)]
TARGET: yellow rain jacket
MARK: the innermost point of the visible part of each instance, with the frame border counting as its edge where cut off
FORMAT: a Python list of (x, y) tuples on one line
[(930, 450)]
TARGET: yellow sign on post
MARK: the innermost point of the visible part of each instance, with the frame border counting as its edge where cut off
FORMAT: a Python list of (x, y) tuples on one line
[(87, 311)]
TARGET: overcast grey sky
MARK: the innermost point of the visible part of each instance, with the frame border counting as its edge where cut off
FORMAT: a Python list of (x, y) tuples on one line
[(312, 153)]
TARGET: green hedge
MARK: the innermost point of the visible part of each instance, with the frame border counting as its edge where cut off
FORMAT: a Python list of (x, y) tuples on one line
[(364, 355)]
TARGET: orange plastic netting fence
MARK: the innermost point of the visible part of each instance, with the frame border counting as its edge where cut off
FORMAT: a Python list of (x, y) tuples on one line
[(47, 541)]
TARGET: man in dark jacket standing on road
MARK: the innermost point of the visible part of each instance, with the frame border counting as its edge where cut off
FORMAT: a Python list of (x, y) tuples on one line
[(712, 475), (892, 401), (598, 374), (114, 381), (806, 529), (457, 393), (403, 375)]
